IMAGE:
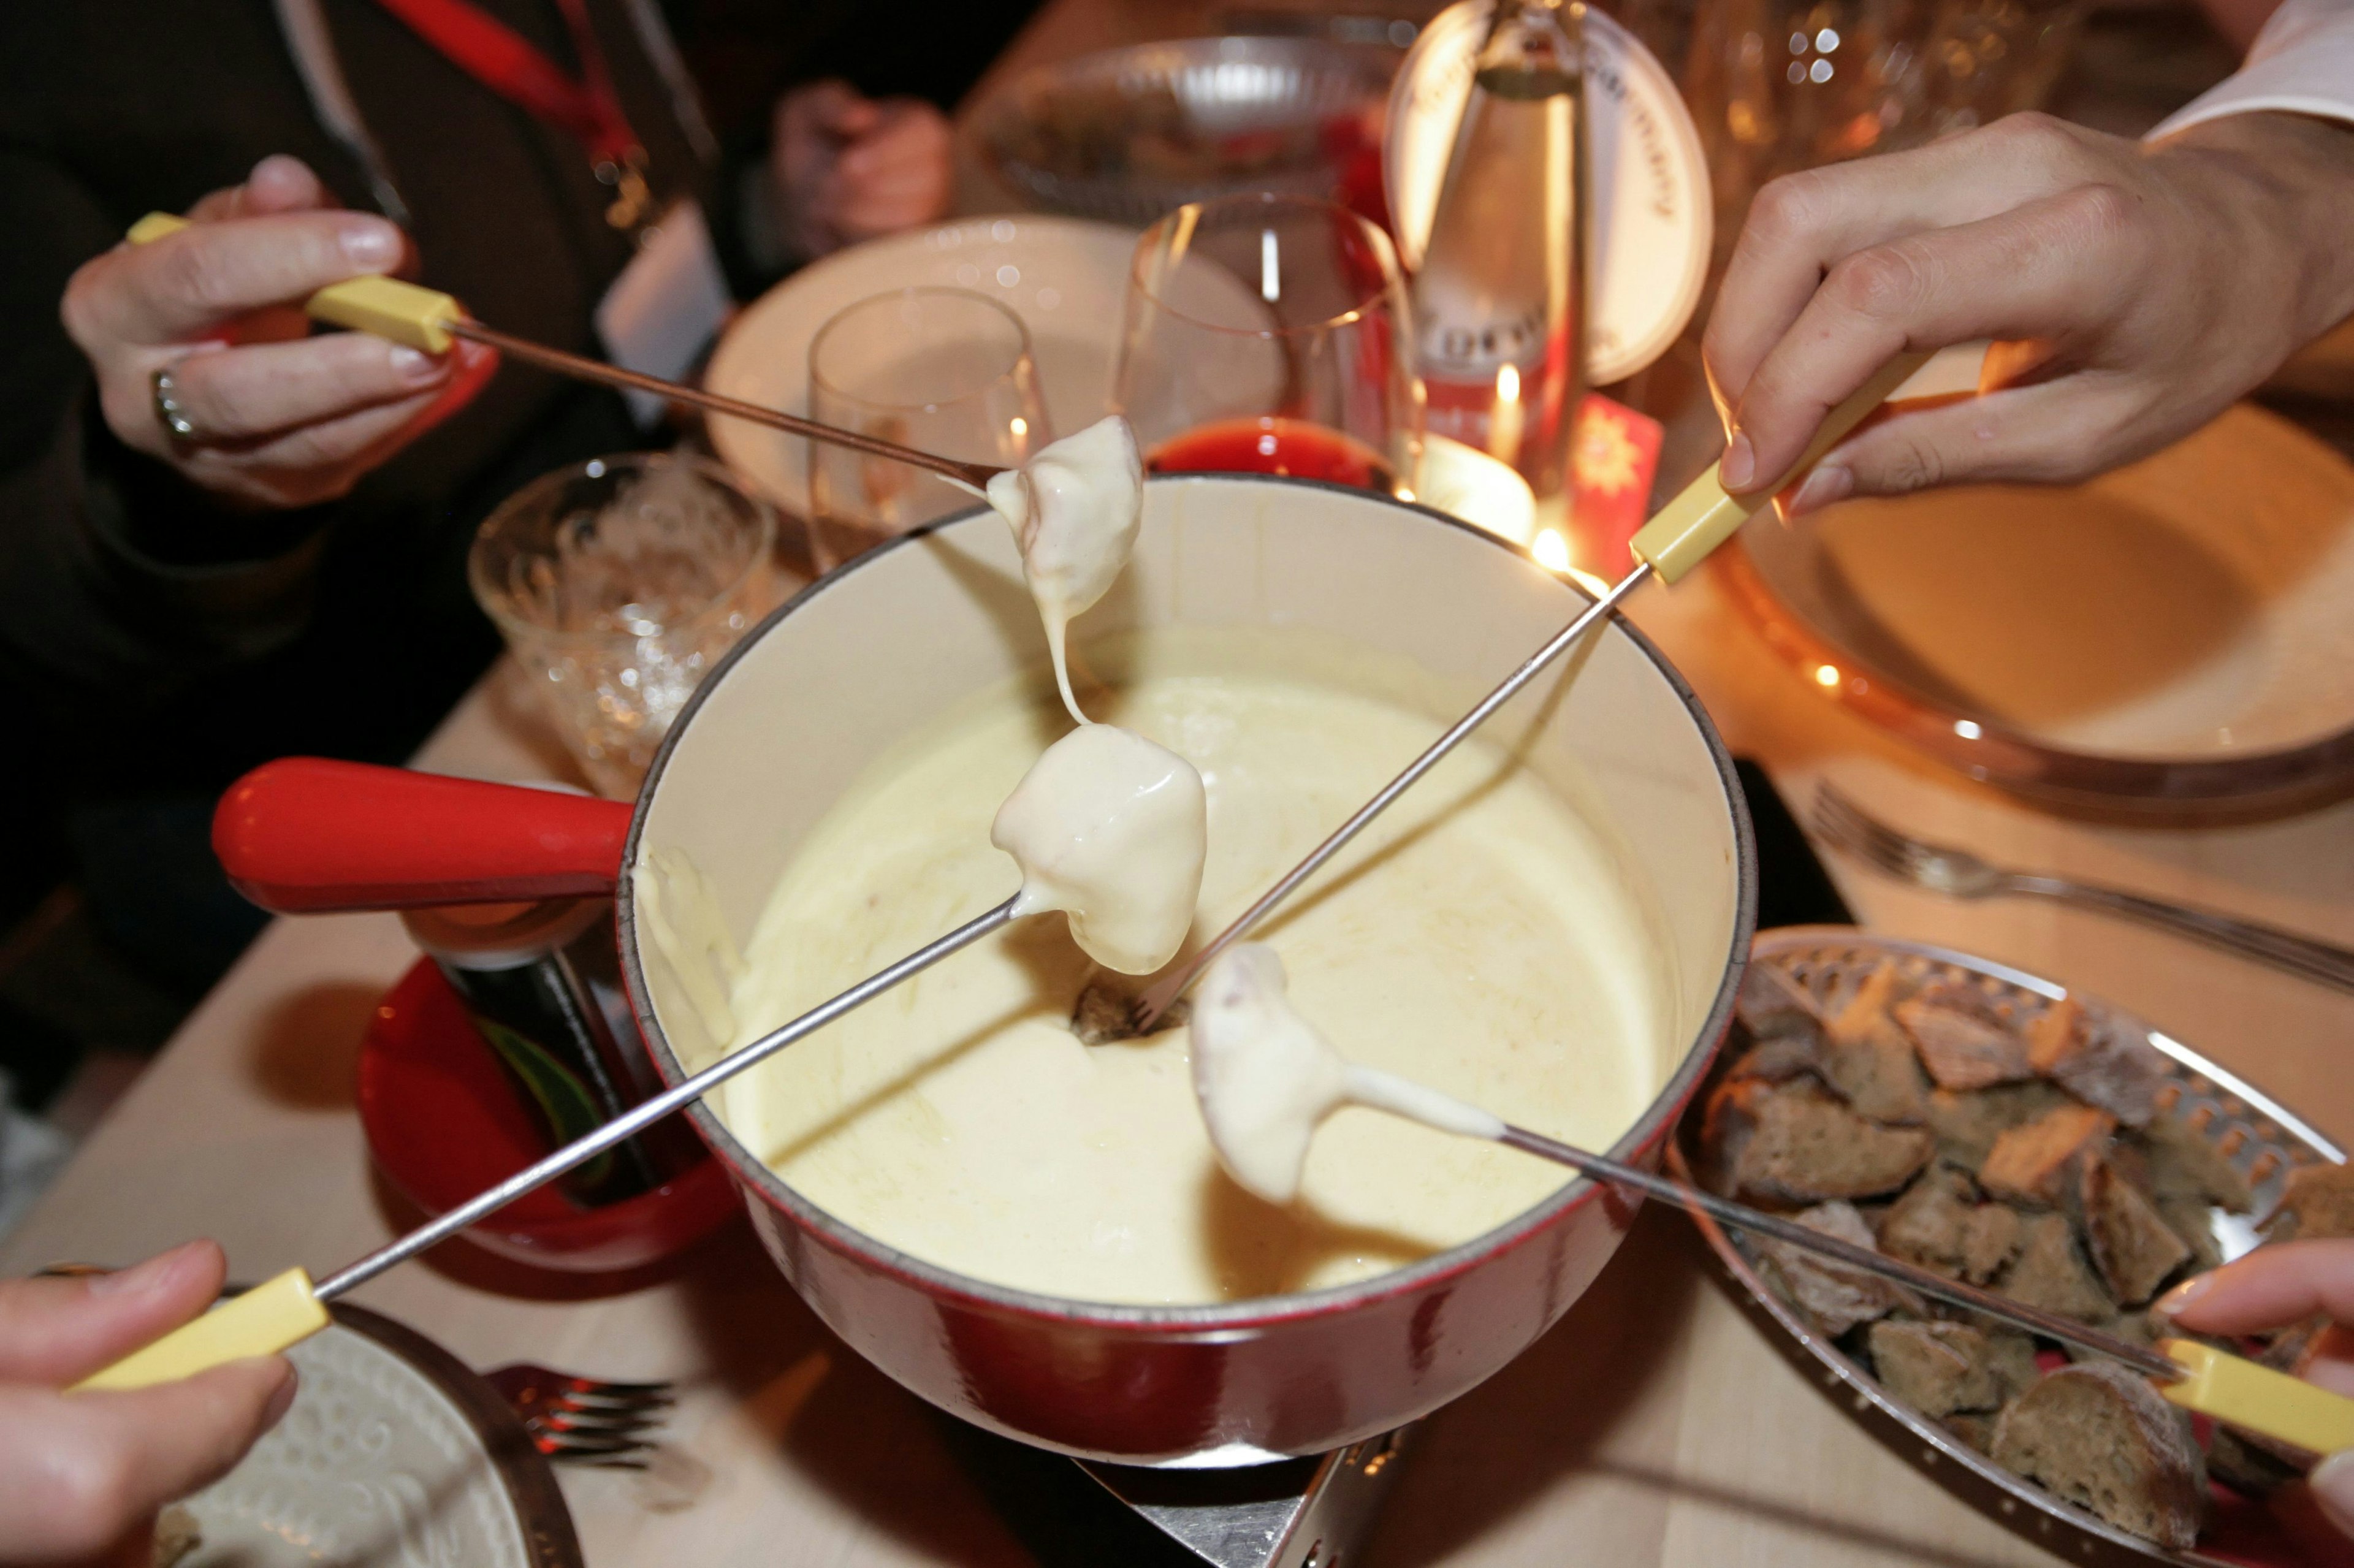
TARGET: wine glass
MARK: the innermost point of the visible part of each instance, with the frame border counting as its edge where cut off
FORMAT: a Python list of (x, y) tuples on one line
[(940, 369), (1271, 335)]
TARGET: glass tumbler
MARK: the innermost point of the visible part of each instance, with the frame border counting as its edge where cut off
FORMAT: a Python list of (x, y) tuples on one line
[(617, 583), (940, 369), (1271, 335)]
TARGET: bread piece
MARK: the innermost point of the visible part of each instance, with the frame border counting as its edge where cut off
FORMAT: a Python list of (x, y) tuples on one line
[(1778, 1060), (2099, 1436), (1976, 1431), (1793, 1142), (2183, 1160), (1869, 1058), (177, 1534), (2316, 1203), (2036, 1163), (1941, 1367), (2050, 1273), (1834, 1297), (1966, 1122), (2130, 1242), (2246, 1468), (1929, 1223), (2104, 1066), (1773, 1006), (1961, 1039), (2193, 1218), (1990, 1241)]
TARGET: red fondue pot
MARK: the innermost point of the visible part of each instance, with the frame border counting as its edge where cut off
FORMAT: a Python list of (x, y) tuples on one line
[(819, 690)]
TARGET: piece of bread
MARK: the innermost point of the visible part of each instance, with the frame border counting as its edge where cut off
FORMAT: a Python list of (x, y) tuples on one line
[(1940, 1368), (2246, 1468), (1927, 1225), (2036, 1163), (1870, 1059), (1975, 1430), (2130, 1242), (1796, 1143), (1834, 1297), (1773, 1006), (2183, 1160), (2316, 1203), (2099, 1436), (2104, 1066), (1966, 1122), (1779, 1059), (1991, 1240), (2050, 1273), (1961, 1039), (2193, 1218)]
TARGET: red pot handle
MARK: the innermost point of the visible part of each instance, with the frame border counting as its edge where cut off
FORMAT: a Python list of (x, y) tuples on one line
[(307, 835)]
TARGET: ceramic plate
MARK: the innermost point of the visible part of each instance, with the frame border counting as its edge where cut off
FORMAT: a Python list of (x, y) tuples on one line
[(394, 1456), (2173, 634), (2261, 1140), (1064, 277)]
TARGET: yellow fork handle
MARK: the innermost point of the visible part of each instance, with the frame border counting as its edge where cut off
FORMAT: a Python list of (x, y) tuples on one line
[(386, 307), (2239, 1393), (1705, 515), (261, 1322)]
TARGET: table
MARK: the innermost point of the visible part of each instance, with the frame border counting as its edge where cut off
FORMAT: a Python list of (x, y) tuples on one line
[(1654, 1425)]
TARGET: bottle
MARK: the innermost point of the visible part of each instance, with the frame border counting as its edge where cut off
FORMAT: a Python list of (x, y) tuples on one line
[(1500, 301), (543, 985)]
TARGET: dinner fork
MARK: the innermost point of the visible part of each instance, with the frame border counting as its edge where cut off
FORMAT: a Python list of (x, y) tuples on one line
[(584, 1420), (1958, 874)]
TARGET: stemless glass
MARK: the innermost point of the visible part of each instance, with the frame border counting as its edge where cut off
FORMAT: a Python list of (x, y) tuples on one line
[(617, 583), (1271, 333), (939, 369)]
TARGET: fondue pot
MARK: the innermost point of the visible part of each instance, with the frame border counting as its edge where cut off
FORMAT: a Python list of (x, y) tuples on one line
[(783, 727)]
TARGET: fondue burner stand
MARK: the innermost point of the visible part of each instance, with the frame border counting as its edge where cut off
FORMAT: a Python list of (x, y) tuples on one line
[(1314, 1513)]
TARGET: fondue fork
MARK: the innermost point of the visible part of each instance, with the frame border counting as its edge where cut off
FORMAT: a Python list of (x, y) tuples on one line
[(1677, 538), (2197, 1377), (425, 319), (289, 1309)]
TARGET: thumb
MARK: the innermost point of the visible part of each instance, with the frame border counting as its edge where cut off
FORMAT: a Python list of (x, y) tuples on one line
[(58, 1331), (2333, 1488)]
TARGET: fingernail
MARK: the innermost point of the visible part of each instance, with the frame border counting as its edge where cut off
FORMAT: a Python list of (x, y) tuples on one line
[(282, 1400), (1739, 470), (2183, 1295), (142, 1276), (1822, 487), (375, 244), (2333, 1488), (417, 366)]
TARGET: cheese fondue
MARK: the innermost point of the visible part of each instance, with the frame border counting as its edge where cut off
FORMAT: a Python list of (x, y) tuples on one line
[(1266, 1079), (1075, 510), (1109, 828), (1479, 937)]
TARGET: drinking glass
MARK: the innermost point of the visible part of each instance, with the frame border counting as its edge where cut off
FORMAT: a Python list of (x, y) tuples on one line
[(1271, 335), (940, 369), (617, 583)]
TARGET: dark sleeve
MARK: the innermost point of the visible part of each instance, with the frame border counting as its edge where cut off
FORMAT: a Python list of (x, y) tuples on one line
[(118, 579)]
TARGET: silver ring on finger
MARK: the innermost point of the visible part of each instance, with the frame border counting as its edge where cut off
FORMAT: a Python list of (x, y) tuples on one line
[(169, 412)]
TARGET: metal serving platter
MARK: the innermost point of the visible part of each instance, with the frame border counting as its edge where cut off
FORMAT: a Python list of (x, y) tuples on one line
[(2264, 1141)]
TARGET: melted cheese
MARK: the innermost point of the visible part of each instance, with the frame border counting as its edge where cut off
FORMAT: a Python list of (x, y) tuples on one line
[(1478, 938), (1075, 510)]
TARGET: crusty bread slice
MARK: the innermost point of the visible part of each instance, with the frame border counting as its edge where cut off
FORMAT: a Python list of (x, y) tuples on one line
[(1772, 1005), (2316, 1204), (1796, 1143), (2101, 1438), (2184, 1161), (1940, 1368), (2050, 1273), (1869, 1058), (1991, 1240), (1961, 1039), (2037, 1162), (2129, 1239), (1966, 1122), (2105, 1066), (1834, 1297)]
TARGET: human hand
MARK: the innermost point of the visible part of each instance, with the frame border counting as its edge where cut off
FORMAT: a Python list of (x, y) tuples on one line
[(281, 419), (847, 168), (2133, 292), (82, 1475), (2272, 1287)]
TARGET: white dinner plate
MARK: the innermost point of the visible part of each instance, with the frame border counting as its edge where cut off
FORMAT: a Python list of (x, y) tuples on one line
[(393, 1456), (1064, 277)]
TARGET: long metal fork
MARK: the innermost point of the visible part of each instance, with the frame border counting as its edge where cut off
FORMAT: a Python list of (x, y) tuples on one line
[(584, 1420), (1961, 874)]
